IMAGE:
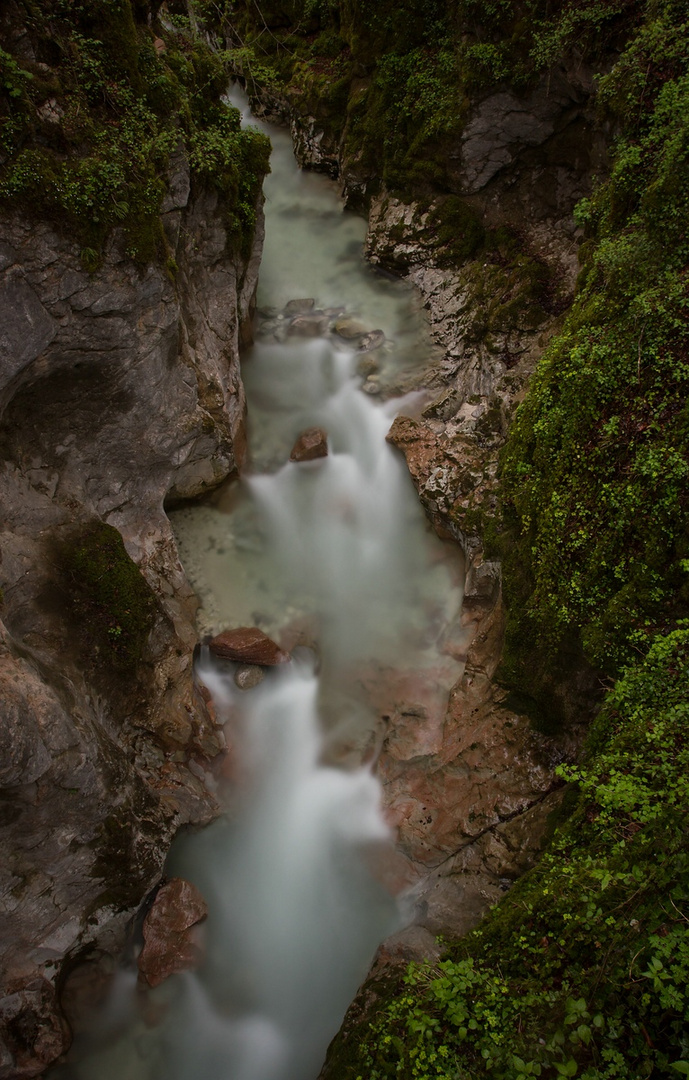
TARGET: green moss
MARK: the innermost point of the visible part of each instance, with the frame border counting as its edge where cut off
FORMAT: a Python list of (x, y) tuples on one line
[(89, 146), (108, 595), (595, 476), (583, 969)]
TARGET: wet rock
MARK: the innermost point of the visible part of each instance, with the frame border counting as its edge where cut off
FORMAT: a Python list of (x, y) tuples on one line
[(373, 340), (248, 676), (298, 307), (311, 444), (367, 365), (349, 329), (32, 1033), (169, 944), (248, 645), (308, 326), (372, 385)]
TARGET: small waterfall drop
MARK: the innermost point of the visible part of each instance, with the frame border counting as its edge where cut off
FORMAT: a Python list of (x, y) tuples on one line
[(333, 557)]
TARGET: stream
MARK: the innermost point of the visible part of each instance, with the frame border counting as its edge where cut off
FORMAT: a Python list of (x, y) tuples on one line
[(335, 560)]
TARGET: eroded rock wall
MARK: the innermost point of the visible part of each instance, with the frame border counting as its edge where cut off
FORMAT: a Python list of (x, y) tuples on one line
[(470, 791), (119, 390)]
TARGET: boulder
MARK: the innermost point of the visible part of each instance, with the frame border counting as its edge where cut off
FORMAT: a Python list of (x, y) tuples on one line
[(311, 444), (169, 944), (248, 645)]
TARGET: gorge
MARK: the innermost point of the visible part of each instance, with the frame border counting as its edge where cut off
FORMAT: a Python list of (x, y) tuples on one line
[(467, 136)]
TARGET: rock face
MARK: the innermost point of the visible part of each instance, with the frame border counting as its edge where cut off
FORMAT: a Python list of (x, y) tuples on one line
[(311, 445), (169, 943), (468, 783), (119, 390), (248, 645)]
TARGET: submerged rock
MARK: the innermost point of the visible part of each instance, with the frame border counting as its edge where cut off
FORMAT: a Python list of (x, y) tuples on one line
[(249, 645), (169, 944), (349, 329), (308, 325), (311, 444), (371, 341), (299, 307), (248, 676)]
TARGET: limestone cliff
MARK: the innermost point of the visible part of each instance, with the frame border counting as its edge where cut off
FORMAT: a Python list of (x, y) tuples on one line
[(119, 390)]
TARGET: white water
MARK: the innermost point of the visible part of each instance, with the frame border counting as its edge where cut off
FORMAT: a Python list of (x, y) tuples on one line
[(334, 553)]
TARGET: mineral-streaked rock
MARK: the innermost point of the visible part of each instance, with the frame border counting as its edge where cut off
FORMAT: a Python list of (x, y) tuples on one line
[(169, 944), (248, 645), (311, 444)]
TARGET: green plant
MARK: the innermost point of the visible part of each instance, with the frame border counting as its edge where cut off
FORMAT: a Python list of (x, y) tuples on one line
[(117, 108)]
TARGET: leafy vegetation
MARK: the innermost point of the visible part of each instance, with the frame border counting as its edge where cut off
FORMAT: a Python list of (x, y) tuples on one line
[(583, 970), (595, 474), (404, 71), (88, 127)]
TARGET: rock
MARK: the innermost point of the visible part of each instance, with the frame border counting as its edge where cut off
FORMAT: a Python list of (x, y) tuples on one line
[(311, 444), (373, 340), (248, 676), (169, 944), (367, 365), (32, 1032), (298, 307), (119, 390), (248, 645), (308, 326), (349, 329), (372, 385)]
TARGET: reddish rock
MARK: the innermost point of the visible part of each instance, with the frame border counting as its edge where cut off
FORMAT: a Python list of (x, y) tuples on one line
[(248, 645), (169, 944), (311, 444)]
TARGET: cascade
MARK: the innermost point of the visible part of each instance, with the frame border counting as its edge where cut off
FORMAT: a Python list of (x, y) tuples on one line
[(334, 558)]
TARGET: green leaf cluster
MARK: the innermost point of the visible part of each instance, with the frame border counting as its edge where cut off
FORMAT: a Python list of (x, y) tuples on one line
[(405, 70), (595, 476), (583, 969), (88, 127)]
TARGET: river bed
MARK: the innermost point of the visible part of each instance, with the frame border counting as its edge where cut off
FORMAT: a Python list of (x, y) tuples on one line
[(333, 558)]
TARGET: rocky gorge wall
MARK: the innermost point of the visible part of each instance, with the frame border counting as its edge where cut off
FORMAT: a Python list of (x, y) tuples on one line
[(120, 391), (438, 120), (469, 784)]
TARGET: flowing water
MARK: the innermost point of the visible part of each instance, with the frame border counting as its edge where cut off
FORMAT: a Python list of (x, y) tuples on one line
[(334, 558)]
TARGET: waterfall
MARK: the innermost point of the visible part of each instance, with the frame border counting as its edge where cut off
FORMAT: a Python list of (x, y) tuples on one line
[(334, 558)]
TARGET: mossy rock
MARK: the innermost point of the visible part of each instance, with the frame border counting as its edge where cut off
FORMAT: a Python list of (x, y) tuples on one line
[(107, 594)]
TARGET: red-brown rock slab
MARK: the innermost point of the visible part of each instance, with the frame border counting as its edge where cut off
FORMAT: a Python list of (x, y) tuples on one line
[(169, 944), (248, 645), (311, 444)]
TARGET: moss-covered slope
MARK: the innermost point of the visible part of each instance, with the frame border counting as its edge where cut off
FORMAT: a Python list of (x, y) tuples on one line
[(94, 97)]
